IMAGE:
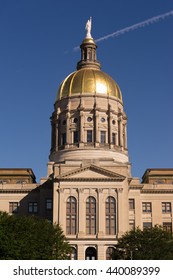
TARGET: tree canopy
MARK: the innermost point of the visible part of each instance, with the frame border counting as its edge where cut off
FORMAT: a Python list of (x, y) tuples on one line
[(29, 237), (147, 244)]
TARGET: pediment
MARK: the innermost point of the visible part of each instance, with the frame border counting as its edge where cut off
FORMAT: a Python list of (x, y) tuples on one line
[(90, 173)]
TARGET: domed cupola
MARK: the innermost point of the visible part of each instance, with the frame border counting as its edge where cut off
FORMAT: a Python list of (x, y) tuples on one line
[(88, 79), (88, 54), (89, 122)]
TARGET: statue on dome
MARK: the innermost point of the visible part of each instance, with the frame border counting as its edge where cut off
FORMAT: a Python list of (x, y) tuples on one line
[(88, 28)]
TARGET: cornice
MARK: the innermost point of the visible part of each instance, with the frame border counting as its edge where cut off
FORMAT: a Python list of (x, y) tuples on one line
[(157, 191), (88, 179), (136, 187), (114, 237), (15, 191)]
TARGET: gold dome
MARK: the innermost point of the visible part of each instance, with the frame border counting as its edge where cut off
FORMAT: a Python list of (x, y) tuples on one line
[(89, 81)]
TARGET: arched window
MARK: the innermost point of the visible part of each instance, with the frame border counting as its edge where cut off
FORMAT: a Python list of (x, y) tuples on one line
[(90, 215), (91, 253), (109, 253), (110, 215), (71, 213), (73, 255)]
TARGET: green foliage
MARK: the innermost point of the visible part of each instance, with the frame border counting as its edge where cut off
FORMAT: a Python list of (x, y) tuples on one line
[(61, 249), (28, 237), (149, 244)]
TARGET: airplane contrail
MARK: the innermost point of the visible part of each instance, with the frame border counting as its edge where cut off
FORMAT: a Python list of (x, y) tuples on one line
[(133, 27)]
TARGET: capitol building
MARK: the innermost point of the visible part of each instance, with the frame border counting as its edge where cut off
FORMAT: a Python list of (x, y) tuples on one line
[(89, 189)]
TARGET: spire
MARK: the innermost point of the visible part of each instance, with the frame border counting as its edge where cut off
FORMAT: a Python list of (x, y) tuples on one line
[(88, 50)]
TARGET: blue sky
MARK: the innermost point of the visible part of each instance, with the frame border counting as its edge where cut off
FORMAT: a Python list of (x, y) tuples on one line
[(36, 53)]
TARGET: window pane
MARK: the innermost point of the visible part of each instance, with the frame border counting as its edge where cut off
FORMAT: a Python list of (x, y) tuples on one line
[(90, 215), (63, 138), (131, 204), (110, 208), (109, 252), (32, 207), (89, 136), (71, 215), (13, 207), (166, 207), (147, 225), (131, 224), (146, 207), (113, 138), (75, 137), (35, 207), (102, 137), (48, 204), (74, 254), (167, 227)]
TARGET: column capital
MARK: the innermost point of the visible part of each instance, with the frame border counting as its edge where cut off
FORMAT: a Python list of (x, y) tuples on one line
[(119, 190), (99, 190), (80, 190), (60, 190)]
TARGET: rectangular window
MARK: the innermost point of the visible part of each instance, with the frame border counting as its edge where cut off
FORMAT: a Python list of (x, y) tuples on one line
[(114, 138), (89, 136), (167, 227), (63, 138), (75, 137), (33, 207), (146, 207), (13, 207), (166, 207), (147, 225), (102, 137), (131, 204), (49, 204), (131, 224)]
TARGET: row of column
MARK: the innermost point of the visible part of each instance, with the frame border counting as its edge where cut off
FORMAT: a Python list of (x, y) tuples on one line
[(120, 133)]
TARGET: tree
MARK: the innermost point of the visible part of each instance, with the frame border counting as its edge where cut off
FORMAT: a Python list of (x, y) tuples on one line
[(29, 237), (61, 248), (147, 244)]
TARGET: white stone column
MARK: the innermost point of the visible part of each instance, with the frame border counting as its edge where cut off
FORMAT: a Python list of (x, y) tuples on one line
[(56, 132), (81, 252), (100, 214), (56, 203), (81, 129), (120, 211), (120, 131), (110, 130), (81, 213), (56, 135), (125, 136), (62, 210), (96, 130), (100, 252), (68, 129)]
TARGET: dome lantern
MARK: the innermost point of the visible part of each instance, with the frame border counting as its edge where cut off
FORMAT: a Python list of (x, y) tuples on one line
[(88, 51), (88, 79)]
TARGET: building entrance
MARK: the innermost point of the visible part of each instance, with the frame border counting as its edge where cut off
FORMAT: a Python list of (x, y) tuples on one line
[(91, 253)]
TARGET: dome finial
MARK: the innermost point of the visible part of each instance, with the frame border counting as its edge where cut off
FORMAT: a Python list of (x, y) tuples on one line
[(88, 28)]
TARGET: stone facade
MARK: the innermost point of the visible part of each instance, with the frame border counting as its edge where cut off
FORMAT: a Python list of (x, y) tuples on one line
[(89, 189)]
